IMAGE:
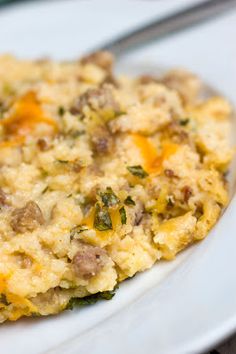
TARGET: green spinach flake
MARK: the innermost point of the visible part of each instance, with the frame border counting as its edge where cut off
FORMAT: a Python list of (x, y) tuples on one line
[(62, 161), (44, 174), (77, 133), (90, 299), (170, 200), (129, 201), (120, 113), (102, 219), (45, 190), (137, 171), (184, 121), (123, 216), (61, 111), (77, 230), (109, 198)]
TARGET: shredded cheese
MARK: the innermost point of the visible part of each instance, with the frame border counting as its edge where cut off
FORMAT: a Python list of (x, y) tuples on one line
[(153, 161), (26, 116)]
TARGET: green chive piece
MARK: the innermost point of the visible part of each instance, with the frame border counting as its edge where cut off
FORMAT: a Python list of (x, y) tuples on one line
[(184, 121), (90, 299), (102, 219), (123, 216), (137, 171), (109, 198), (61, 111), (129, 201), (77, 230)]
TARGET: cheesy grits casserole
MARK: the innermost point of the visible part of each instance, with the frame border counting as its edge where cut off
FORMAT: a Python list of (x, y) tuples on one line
[(101, 177)]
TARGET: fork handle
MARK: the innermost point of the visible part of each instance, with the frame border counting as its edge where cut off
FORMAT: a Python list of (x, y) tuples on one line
[(176, 22)]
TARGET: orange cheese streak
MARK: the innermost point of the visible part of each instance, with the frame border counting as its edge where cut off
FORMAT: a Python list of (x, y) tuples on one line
[(26, 306), (153, 162), (28, 114), (18, 140)]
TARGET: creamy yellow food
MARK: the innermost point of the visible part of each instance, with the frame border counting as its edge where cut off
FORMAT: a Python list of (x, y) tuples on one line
[(101, 177)]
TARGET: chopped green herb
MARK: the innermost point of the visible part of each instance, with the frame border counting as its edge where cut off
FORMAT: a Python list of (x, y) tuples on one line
[(123, 216), (3, 300), (61, 111), (137, 171), (90, 299), (129, 201), (63, 161), (102, 219), (44, 174), (77, 230), (170, 200), (35, 314), (184, 121), (80, 117), (45, 189), (77, 133), (109, 198), (1, 110), (119, 113)]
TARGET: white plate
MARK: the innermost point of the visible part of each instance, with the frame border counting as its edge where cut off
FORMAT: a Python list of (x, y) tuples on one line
[(179, 307)]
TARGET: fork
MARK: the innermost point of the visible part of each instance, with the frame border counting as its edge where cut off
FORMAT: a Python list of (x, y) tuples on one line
[(160, 28)]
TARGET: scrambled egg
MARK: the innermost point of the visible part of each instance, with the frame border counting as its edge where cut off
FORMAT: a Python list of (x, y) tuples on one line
[(101, 177)]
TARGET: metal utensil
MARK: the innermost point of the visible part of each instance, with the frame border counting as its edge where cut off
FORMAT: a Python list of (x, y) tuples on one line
[(158, 29)]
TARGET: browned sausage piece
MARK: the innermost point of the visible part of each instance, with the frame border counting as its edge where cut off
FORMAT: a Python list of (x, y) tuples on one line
[(88, 261), (27, 218), (43, 144), (102, 140), (177, 134), (3, 198), (169, 173), (102, 59), (77, 167), (110, 80), (97, 99), (188, 192), (139, 213)]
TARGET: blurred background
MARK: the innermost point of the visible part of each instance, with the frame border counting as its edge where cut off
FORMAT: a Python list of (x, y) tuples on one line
[(78, 26)]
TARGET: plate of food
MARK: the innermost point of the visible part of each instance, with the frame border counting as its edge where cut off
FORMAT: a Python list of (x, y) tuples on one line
[(117, 183)]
